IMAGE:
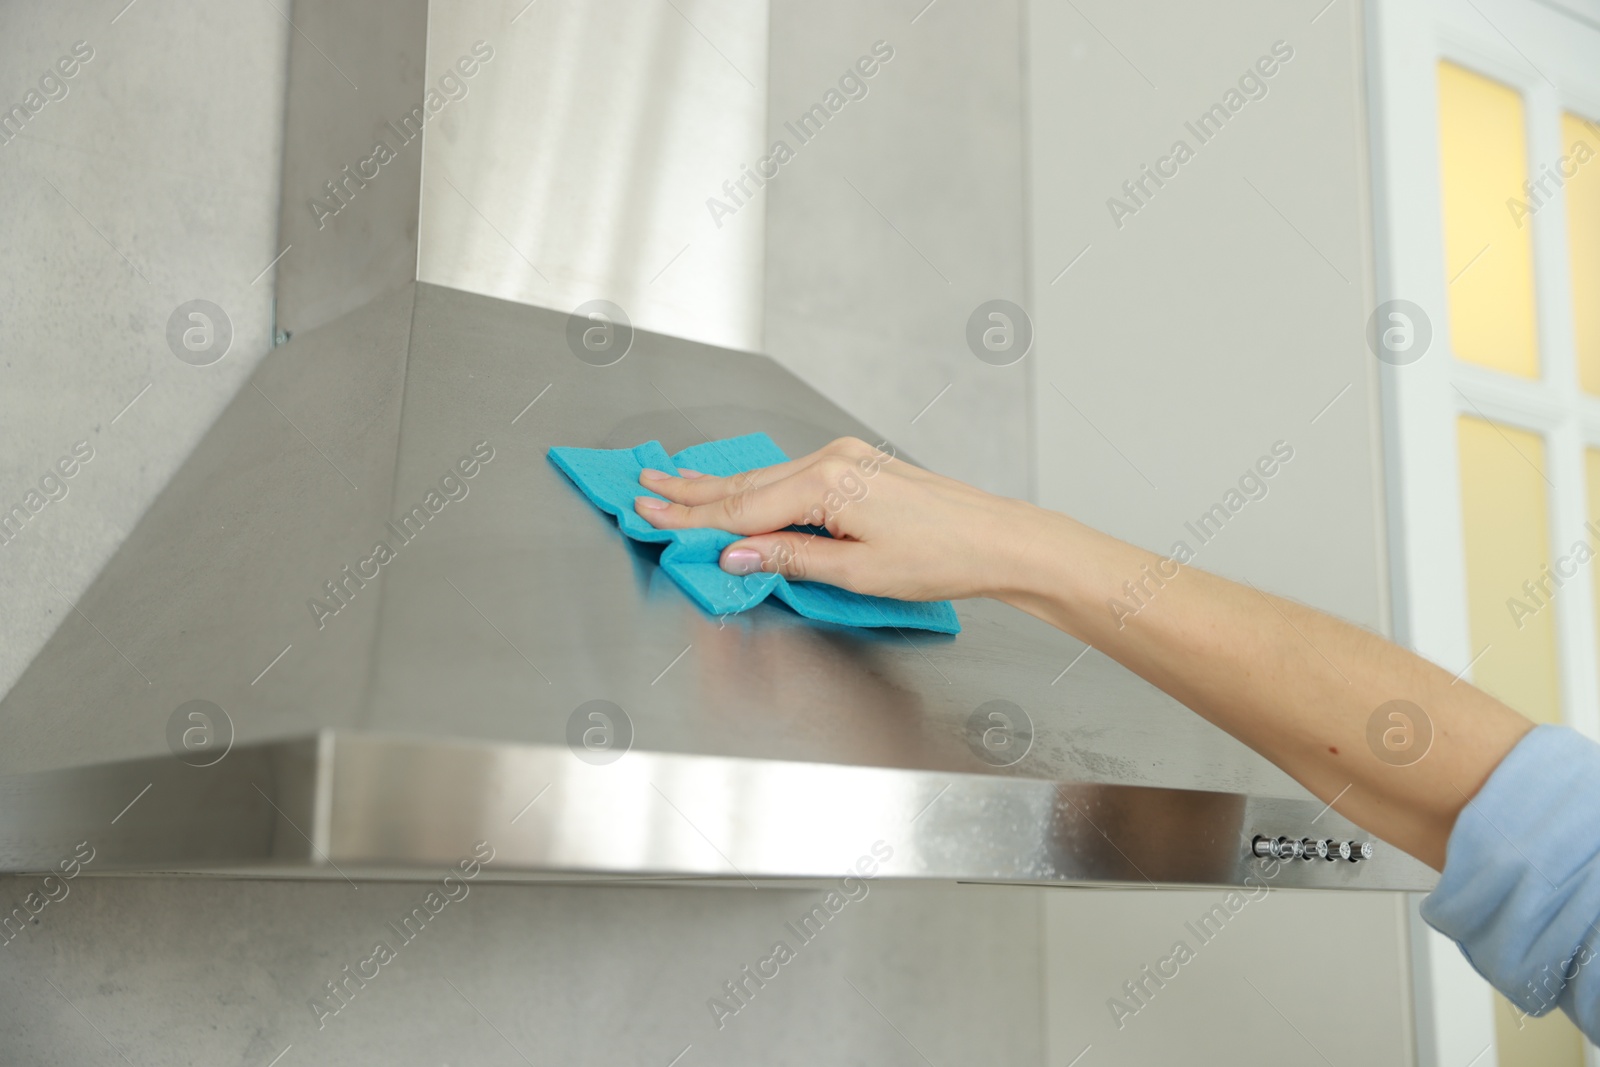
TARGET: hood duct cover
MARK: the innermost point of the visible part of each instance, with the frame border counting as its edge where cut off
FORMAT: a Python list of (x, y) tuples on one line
[(253, 687)]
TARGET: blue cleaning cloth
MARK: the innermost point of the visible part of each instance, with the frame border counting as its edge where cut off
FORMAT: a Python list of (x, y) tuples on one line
[(609, 477)]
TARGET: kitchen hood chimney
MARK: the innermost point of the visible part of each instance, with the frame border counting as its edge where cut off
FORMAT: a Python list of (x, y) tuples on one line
[(368, 626)]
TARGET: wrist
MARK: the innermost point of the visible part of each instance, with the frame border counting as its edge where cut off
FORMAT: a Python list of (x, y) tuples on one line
[(1024, 551), (1054, 568)]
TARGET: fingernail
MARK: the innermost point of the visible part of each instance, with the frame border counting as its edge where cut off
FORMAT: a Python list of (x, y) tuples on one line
[(685, 472), (653, 475), (741, 561), (654, 503)]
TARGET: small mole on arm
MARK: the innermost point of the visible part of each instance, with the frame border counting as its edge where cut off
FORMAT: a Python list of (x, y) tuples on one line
[(1335, 751)]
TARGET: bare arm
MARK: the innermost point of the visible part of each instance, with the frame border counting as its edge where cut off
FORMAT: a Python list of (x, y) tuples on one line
[(1294, 684)]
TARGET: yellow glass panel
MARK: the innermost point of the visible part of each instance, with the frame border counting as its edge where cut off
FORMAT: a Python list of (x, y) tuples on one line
[(1579, 167), (1523, 1041), (1505, 504), (1487, 241), (1509, 585)]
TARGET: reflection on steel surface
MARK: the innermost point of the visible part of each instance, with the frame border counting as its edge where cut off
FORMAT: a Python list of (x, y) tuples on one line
[(439, 702), (353, 806)]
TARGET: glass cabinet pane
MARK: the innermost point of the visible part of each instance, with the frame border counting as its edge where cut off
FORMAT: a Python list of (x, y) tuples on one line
[(1488, 245), (1504, 505), (1523, 1041)]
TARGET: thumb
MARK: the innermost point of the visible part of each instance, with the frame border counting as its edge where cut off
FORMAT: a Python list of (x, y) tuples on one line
[(801, 557)]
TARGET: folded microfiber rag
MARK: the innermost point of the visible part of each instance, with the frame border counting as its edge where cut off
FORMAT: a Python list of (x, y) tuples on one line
[(609, 477)]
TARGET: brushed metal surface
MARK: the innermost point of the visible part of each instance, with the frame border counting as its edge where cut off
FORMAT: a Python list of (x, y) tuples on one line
[(546, 154), (580, 163), (347, 806), (338, 107), (518, 602), (901, 217)]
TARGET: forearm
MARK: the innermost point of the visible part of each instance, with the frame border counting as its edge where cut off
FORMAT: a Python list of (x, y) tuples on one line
[(1294, 684)]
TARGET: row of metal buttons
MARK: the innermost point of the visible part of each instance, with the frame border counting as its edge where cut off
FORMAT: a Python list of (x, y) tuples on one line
[(1307, 848)]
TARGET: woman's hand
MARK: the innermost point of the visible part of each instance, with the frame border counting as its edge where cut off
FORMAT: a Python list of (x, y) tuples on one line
[(898, 530)]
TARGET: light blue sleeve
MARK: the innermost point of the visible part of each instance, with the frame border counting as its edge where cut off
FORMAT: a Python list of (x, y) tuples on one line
[(1520, 892)]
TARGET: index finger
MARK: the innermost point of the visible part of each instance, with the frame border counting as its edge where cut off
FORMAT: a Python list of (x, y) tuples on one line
[(708, 488), (796, 500)]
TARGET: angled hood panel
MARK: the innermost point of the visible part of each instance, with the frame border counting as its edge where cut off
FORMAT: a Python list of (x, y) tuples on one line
[(388, 706), (210, 586)]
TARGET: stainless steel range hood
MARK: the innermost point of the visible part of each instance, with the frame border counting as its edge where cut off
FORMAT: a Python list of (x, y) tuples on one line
[(374, 714)]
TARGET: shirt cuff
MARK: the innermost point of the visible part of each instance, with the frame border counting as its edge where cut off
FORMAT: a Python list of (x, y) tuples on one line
[(1520, 892)]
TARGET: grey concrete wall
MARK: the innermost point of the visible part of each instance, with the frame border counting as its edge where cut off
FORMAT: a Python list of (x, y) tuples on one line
[(154, 181), (895, 221), (191, 972), (150, 184)]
